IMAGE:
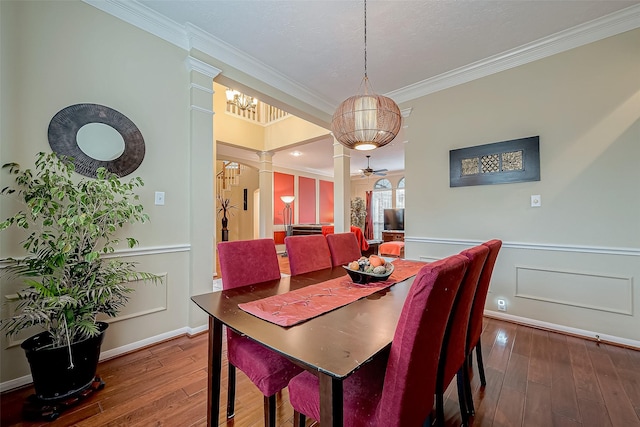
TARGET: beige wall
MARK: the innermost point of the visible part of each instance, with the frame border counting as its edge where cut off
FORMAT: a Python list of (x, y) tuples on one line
[(55, 54), (290, 131), (574, 261)]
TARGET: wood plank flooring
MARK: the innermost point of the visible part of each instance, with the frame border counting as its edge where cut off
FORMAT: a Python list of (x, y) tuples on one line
[(534, 378)]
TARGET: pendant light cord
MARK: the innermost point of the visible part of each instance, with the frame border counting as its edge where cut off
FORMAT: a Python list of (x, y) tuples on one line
[(365, 39)]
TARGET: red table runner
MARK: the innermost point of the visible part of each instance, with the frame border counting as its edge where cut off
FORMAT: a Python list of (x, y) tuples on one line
[(306, 303)]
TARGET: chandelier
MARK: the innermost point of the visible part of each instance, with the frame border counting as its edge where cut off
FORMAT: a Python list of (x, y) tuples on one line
[(240, 100), (366, 121)]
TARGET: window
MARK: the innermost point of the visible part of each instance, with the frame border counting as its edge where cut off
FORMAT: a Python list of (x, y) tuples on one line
[(400, 194), (381, 199)]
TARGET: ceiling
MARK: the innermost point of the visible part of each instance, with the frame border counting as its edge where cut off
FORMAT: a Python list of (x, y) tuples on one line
[(313, 50)]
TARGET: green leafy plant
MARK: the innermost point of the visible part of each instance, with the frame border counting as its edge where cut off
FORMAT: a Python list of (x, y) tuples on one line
[(67, 282)]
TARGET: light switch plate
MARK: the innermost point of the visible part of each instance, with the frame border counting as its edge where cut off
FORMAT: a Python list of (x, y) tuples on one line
[(536, 201), (159, 198)]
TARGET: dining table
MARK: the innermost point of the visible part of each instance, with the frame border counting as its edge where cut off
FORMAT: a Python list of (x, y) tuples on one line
[(332, 345)]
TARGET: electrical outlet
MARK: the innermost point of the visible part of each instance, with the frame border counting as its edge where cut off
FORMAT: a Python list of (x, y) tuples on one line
[(502, 305)]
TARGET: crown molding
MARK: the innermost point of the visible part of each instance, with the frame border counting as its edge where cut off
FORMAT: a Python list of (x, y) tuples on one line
[(203, 68), (223, 51), (190, 36), (144, 18), (598, 29)]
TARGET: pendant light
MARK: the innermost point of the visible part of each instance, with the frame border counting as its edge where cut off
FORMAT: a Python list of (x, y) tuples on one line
[(366, 121)]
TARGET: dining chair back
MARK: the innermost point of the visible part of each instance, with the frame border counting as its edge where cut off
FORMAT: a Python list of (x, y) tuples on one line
[(390, 392), (477, 309), (343, 247), (236, 256), (243, 263), (453, 357), (307, 253)]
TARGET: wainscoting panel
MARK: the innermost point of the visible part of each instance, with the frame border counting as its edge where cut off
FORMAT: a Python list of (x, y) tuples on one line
[(603, 292), (147, 298)]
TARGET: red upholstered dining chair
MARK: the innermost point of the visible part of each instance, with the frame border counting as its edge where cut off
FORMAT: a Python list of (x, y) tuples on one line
[(307, 253), (477, 312), (454, 355), (344, 248), (390, 391), (269, 371)]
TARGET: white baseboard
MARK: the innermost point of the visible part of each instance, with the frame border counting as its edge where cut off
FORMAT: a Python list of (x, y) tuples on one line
[(595, 336), (114, 352), (15, 383)]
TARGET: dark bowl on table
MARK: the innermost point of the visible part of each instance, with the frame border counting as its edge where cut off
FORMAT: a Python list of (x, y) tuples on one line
[(362, 278)]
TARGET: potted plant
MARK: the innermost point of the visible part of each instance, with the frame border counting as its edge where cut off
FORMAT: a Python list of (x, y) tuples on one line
[(67, 281), (358, 212), (225, 207)]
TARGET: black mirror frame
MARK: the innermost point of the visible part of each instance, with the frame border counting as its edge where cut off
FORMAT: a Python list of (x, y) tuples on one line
[(64, 127)]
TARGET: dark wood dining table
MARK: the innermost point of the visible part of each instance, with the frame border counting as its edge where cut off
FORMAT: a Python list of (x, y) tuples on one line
[(332, 346)]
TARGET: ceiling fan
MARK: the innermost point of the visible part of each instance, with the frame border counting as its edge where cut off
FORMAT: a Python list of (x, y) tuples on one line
[(368, 171)]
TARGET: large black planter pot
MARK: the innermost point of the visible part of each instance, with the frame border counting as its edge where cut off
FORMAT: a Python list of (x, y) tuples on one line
[(54, 377)]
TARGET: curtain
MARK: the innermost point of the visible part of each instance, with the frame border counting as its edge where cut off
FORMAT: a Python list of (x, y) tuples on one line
[(368, 222)]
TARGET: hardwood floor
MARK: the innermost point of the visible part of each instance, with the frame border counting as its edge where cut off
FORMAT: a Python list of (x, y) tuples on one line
[(534, 378)]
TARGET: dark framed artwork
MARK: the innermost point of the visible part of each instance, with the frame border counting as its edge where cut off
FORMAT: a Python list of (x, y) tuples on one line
[(503, 162)]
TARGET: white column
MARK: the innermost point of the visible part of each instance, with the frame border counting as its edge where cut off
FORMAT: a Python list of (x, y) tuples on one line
[(341, 188), (201, 188), (265, 182)]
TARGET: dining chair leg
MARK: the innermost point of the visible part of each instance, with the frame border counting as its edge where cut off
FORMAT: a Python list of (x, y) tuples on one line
[(231, 391), (468, 393), (439, 408), (270, 411), (460, 382), (483, 380), (299, 419)]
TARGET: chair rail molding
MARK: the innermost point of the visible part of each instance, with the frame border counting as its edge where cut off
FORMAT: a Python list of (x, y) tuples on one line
[(601, 250), (152, 250)]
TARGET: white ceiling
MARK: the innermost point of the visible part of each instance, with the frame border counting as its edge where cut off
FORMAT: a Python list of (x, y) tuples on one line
[(313, 50)]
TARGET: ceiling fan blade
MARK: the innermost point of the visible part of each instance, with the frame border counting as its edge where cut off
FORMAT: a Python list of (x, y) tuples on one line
[(380, 170), (380, 174)]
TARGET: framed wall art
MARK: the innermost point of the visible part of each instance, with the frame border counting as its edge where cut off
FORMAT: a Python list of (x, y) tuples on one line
[(503, 162)]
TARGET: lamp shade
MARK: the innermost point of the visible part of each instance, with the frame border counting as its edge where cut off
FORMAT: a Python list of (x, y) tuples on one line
[(365, 122), (287, 199)]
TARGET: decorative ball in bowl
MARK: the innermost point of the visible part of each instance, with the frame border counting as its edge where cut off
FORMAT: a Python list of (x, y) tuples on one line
[(363, 271)]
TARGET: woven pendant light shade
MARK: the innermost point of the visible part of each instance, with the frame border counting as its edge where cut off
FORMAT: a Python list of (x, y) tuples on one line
[(366, 122)]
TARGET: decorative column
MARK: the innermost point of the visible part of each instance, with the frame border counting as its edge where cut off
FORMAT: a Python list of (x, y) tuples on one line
[(265, 183), (201, 197), (341, 188)]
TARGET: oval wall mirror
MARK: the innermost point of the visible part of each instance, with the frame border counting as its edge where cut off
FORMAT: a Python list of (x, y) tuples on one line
[(97, 136), (100, 141)]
